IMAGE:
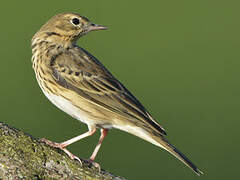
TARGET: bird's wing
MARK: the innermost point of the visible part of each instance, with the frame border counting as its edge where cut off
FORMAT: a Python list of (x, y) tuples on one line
[(80, 71)]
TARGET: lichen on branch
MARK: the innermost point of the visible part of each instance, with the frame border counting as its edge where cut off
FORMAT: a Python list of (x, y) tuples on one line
[(25, 157)]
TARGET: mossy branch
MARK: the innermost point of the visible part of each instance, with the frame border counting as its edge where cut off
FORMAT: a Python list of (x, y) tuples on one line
[(25, 157)]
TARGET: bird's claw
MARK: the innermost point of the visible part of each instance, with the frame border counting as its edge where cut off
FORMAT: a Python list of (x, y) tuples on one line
[(51, 143), (60, 146), (92, 163)]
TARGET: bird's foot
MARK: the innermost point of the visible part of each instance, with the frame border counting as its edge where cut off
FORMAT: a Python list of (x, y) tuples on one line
[(92, 163), (60, 146)]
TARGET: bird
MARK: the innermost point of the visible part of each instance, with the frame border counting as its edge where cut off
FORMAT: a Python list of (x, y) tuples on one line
[(80, 85)]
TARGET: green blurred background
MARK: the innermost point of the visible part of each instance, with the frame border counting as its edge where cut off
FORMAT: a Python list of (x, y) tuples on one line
[(180, 58)]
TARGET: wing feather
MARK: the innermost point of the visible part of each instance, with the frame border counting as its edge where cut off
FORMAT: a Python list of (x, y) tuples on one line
[(79, 70)]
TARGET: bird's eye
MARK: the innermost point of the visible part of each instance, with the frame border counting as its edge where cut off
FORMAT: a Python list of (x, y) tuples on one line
[(75, 21)]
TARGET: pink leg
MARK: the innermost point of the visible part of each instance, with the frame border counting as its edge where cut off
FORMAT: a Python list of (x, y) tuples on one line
[(63, 145), (90, 132), (103, 134)]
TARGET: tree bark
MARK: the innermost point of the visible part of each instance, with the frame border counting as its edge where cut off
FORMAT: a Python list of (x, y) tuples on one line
[(25, 157)]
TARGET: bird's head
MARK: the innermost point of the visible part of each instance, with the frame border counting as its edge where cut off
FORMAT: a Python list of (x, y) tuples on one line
[(67, 27)]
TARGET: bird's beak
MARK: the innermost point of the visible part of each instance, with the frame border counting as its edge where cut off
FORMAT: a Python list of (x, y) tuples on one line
[(95, 27)]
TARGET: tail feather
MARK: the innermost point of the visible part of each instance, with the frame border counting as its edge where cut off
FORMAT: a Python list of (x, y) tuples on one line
[(163, 143), (160, 141)]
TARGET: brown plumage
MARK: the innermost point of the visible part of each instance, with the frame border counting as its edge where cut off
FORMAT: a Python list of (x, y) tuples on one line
[(77, 83)]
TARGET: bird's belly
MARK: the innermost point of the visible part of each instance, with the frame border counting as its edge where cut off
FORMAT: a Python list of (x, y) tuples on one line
[(66, 106)]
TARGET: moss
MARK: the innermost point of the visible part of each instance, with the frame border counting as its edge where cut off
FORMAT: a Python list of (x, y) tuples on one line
[(25, 157)]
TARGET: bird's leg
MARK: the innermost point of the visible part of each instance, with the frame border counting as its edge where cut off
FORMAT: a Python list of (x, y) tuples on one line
[(94, 154), (63, 145), (103, 134), (91, 131)]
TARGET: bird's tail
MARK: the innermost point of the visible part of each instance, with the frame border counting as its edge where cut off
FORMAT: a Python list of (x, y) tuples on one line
[(160, 141), (163, 143)]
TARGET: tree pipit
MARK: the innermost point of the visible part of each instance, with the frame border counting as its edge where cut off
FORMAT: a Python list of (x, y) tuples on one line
[(77, 83)]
